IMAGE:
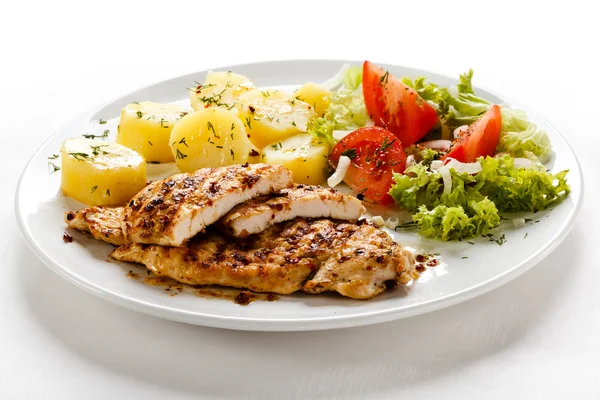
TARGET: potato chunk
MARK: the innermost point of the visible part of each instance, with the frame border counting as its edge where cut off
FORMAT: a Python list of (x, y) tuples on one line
[(273, 115), (211, 137), (101, 173), (145, 127), (302, 154), (220, 89), (315, 95)]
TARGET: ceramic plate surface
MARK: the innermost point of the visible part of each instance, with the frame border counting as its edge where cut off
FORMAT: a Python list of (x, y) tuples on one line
[(467, 270)]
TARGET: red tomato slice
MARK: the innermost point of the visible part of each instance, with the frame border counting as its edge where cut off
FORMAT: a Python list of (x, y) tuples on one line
[(375, 153), (395, 106), (480, 139)]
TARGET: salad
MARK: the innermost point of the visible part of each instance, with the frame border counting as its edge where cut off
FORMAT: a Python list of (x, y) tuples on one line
[(454, 160)]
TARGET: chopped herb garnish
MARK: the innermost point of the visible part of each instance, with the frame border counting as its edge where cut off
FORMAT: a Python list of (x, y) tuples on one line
[(386, 144), (219, 147), (54, 167), (92, 136), (211, 128), (350, 153), (179, 155), (182, 141), (384, 79), (96, 150), (101, 122), (232, 154), (232, 125), (139, 114), (293, 123), (108, 192), (93, 189), (150, 143), (526, 233), (465, 257), (80, 156), (53, 157), (501, 240), (470, 242), (249, 122)]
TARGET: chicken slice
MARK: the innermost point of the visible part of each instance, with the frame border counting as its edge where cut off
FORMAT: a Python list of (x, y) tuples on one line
[(171, 211), (305, 201), (284, 258), (102, 222), (362, 265)]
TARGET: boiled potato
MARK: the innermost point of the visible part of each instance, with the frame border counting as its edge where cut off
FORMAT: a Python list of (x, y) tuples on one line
[(145, 127), (315, 95), (273, 115), (220, 89), (211, 137), (101, 173), (302, 154)]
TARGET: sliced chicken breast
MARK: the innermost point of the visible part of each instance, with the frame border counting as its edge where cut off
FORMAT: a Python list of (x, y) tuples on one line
[(171, 211), (355, 260), (102, 222), (305, 201)]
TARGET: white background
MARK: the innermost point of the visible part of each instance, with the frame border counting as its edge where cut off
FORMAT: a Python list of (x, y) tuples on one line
[(537, 337)]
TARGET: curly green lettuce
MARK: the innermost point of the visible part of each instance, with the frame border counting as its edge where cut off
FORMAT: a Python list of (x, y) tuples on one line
[(520, 189), (322, 129), (472, 206), (436, 96)]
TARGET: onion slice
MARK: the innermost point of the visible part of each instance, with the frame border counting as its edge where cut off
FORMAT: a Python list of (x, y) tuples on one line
[(458, 131), (447, 178), (436, 164), (340, 172), (440, 144), (518, 222), (460, 167), (339, 135), (378, 221)]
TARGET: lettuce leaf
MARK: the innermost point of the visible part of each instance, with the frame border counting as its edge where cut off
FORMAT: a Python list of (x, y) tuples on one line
[(322, 128), (438, 97), (466, 107), (472, 207), (453, 223), (347, 108), (531, 139), (353, 78), (520, 189)]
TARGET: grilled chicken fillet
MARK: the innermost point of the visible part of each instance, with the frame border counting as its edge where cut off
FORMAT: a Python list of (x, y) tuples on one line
[(355, 260), (306, 201), (102, 222), (171, 211)]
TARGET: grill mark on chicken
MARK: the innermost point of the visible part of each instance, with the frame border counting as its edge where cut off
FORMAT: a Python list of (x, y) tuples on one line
[(306, 201), (102, 223), (314, 256), (171, 211)]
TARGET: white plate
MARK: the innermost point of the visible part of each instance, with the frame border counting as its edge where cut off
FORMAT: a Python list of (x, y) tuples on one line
[(40, 208)]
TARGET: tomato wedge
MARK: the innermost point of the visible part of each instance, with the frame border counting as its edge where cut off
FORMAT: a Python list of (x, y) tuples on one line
[(480, 139), (376, 154), (395, 106)]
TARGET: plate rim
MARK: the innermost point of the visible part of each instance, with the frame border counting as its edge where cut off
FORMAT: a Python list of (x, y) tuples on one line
[(313, 323)]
